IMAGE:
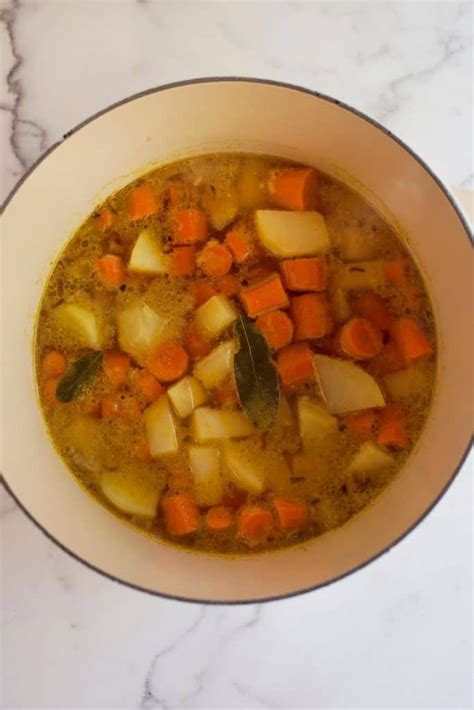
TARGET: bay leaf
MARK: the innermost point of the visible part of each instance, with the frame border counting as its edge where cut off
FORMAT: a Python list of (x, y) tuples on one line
[(255, 375), (78, 376)]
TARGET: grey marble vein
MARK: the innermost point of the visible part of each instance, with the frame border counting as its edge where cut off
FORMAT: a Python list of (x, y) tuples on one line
[(20, 126), (391, 98), (149, 698)]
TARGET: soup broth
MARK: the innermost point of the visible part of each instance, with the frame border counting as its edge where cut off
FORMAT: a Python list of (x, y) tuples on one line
[(235, 353)]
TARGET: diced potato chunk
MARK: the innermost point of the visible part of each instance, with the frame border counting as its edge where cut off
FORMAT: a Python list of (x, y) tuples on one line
[(161, 428), (186, 395), (315, 422), (370, 459), (84, 443), (147, 255), (130, 493), (216, 366), (80, 322), (360, 275), (221, 204), (244, 470), (346, 387), (340, 306), (209, 424), (406, 383), (140, 329), (206, 470), (355, 244), (289, 234), (215, 315), (252, 185)]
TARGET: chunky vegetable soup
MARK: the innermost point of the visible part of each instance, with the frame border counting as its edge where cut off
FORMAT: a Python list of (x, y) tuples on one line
[(235, 353)]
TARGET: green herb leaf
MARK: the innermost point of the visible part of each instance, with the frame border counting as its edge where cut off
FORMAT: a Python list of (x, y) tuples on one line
[(79, 375), (255, 375)]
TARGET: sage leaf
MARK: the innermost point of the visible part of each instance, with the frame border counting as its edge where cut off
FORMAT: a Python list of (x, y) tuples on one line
[(255, 375), (79, 375)]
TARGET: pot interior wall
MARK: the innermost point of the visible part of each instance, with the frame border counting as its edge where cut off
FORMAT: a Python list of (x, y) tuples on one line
[(193, 119)]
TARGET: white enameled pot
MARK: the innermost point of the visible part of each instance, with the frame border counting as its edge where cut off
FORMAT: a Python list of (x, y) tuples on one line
[(192, 118)]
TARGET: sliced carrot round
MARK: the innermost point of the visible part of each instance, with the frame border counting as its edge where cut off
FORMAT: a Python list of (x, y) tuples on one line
[(116, 366), (196, 345), (203, 292), (149, 385), (291, 514), (168, 362), (181, 514), (410, 338), (218, 518), (294, 188), (277, 329), (360, 339), (215, 260), (54, 364), (255, 523)]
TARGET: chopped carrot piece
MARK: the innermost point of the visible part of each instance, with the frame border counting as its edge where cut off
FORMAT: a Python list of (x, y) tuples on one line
[(238, 245), (294, 188), (111, 270), (54, 364), (149, 385), (189, 226), (295, 364), (228, 285), (120, 406), (142, 202), (255, 523), (291, 514), (311, 316), (277, 329), (196, 345), (183, 261), (392, 430), (180, 481), (305, 274), (203, 292), (411, 340), (115, 245), (215, 259), (168, 362), (389, 359), (116, 366), (49, 391), (360, 339), (142, 450), (105, 219), (218, 518), (396, 271), (371, 306), (226, 393), (181, 514), (361, 424), (267, 295)]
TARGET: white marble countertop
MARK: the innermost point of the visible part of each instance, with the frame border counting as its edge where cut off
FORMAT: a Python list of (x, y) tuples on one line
[(395, 635)]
